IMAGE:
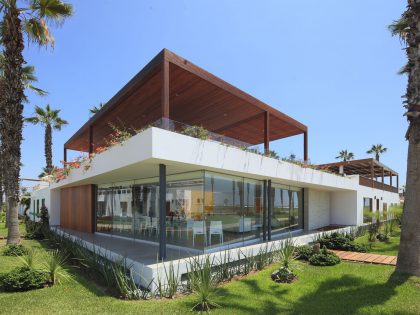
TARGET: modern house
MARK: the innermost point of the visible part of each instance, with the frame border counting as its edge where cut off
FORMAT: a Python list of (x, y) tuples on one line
[(189, 177)]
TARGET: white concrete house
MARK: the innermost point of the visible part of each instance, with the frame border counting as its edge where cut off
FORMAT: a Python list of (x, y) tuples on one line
[(174, 189)]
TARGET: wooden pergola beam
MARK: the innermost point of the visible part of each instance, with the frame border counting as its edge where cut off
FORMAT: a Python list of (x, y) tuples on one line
[(267, 132)]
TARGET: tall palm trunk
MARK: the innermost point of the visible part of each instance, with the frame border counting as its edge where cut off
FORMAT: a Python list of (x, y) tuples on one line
[(377, 157), (409, 251), (11, 113), (48, 148)]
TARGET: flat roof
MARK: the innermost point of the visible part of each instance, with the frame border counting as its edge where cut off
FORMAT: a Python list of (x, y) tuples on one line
[(363, 167), (196, 97)]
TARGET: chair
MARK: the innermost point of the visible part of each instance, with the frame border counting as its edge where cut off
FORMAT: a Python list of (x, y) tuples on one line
[(199, 229), (216, 228), (190, 224), (244, 224)]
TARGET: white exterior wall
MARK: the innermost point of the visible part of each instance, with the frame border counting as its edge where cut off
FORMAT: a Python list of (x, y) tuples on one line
[(383, 196), (40, 194), (319, 208), (333, 199), (344, 207)]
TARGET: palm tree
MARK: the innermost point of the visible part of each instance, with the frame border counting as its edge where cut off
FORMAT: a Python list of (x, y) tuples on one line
[(377, 149), (50, 119), (20, 18), (96, 109), (345, 155), (29, 78), (408, 31)]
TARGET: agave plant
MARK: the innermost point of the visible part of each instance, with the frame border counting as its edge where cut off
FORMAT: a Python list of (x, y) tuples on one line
[(56, 268), (202, 282), (30, 259)]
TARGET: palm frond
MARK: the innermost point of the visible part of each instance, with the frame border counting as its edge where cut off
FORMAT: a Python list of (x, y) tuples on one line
[(400, 27), (404, 69), (36, 90), (54, 11), (38, 32)]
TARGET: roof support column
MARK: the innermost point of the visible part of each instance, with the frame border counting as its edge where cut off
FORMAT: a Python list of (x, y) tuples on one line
[(372, 176), (397, 183), (90, 139), (162, 211), (165, 93), (305, 146), (65, 154), (390, 179), (383, 176), (266, 133)]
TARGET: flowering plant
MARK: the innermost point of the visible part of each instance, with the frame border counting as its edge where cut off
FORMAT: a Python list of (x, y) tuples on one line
[(118, 136)]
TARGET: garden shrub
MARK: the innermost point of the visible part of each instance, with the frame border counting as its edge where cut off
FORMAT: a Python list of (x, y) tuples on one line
[(304, 252), (15, 250), (382, 237), (283, 275), (22, 279), (324, 258), (339, 241)]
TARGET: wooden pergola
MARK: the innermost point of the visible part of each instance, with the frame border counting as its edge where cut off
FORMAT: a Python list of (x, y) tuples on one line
[(171, 87), (367, 168)]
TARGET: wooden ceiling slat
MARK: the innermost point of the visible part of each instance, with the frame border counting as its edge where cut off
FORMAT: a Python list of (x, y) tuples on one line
[(196, 97)]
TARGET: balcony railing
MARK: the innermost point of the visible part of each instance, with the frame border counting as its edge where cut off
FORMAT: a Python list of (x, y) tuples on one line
[(200, 133), (377, 185)]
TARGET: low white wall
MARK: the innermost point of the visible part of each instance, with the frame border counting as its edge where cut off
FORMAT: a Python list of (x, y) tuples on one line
[(318, 208), (146, 275)]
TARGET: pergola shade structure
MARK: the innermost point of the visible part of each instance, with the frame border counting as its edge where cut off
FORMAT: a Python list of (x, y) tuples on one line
[(368, 169), (171, 87)]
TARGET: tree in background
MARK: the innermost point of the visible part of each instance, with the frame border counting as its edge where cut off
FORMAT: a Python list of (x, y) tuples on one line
[(345, 155), (96, 109), (49, 118), (30, 19), (408, 29), (377, 149)]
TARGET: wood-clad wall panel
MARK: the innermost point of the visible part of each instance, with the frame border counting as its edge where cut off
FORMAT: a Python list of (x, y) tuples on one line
[(77, 209)]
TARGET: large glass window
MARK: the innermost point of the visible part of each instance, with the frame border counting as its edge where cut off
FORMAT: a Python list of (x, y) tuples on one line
[(253, 209), (122, 216), (146, 209), (287, 208), (223, 204), (203, 210), (367, 210), (184, 210), (104, 209)]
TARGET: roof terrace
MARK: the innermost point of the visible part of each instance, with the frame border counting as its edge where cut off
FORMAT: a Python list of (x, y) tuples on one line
[(171, 88)]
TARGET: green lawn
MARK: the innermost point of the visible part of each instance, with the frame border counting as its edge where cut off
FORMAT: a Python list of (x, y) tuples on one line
[(3, 229), (347, 288), (384, 248)]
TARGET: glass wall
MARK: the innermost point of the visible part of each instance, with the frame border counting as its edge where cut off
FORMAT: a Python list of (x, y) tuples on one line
[(367, 210), (184, 210), (287, 208), (223, 209), (204, 210)]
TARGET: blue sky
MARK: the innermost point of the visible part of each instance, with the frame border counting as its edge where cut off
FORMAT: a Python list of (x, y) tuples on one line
[(329, 64)]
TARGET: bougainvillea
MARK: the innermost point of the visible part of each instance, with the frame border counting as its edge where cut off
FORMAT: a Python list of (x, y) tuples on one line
[(118, 136)]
